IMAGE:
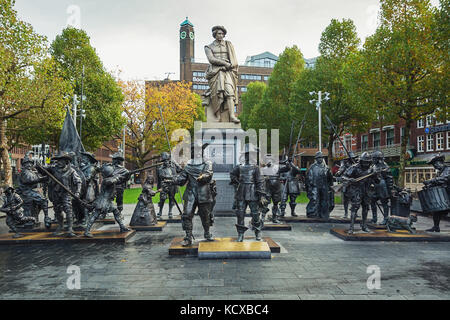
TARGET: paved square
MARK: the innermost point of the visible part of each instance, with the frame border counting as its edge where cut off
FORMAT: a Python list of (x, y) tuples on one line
[(312, 264)]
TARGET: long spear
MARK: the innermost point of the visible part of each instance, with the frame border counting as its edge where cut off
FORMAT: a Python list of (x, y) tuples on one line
[(170, 149)]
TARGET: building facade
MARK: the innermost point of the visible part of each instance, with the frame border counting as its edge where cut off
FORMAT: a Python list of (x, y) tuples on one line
[(428, 137)]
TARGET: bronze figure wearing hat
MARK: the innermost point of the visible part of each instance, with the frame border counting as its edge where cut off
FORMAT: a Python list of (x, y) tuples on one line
[(222, 74), (12, 206)]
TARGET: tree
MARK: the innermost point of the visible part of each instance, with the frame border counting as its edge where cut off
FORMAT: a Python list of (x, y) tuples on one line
[(338, 41), (251, 98), (400, 70), (32, 92), (145, 131), (103, 104), (274, 111)]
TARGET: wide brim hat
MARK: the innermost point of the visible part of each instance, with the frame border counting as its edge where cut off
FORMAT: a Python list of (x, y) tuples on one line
[(117, 156), (319, 155), (27, 158), (439, 157), (220, 28), (63, 156), (90, 156)]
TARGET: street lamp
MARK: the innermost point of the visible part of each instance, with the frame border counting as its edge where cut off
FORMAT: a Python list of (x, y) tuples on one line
[(318, 103)]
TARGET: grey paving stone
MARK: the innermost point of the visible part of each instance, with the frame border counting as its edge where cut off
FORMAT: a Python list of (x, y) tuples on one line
[(316, 266)]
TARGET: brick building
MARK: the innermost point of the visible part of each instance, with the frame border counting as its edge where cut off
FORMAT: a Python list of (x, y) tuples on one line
[(428, 137)]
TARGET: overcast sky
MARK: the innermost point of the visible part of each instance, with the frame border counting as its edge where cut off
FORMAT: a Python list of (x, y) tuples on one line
[(141, 37)]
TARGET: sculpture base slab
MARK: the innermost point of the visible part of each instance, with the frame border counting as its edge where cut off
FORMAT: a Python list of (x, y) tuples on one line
[(376, 226), (110, 236), (159, 226), (27, 227), (277, 227), (304, 219), (53, 227), (106, 221), (398, 236), (176, 249), (226, 248), (175, 219)]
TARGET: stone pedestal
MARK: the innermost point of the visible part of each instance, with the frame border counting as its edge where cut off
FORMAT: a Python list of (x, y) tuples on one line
[(223, 151), (226, 248)]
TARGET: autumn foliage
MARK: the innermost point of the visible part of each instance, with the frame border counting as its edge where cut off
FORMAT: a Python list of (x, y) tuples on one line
[(145, 134)]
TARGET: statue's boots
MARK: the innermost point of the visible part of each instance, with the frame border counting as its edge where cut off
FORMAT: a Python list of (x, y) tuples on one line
[(258, 235), (345, 210), (275, 218), (160, 212), (123, 228), (187, 241), (208, 236), (434, 229), (60, 228), (233, 117), (352, 223), (364, 222), (436, 221), (385, 214), (170, 211), (241, 230), (293, 205), (87, 229), (70, 232)]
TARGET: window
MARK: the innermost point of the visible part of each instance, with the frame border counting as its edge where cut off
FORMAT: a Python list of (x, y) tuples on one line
[(420, 123), (376, 139), (364, 142), (198, 74), (448, 140), (250, 77), (430, 142), (266, 78), (429, 120), (440, 141), (420, 144), (200, 87), (389, 137), (243, 89)]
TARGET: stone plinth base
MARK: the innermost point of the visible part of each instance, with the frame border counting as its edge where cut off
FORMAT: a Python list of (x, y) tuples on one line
[(176, 249), (157, 227), (376, 226), (47, 237), (226, 248), (383, 235), (106, 221), (304, 219)]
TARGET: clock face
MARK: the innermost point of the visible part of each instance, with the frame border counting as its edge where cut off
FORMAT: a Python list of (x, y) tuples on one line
[(183, 35), (191, 35)]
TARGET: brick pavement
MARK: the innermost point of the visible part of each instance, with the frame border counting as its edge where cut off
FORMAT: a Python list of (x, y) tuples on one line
[(313, 264)]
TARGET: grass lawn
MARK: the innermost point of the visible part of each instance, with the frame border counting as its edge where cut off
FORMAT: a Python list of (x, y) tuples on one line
[(131, 196)]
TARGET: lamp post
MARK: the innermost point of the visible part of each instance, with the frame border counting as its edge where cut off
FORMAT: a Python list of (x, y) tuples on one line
[(318, 103)]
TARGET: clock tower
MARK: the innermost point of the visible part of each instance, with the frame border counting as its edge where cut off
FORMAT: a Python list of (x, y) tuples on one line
[(187, 37)]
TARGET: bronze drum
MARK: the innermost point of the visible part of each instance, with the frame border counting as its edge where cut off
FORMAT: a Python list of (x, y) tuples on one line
[(434, 199)]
